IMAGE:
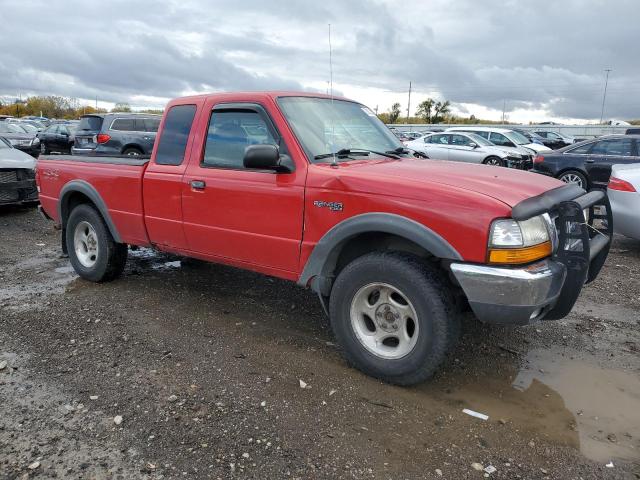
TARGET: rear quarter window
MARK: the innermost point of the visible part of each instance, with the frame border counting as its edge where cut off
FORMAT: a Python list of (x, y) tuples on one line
[(123, 124), (175, 135), (151, 124), (90, 123)]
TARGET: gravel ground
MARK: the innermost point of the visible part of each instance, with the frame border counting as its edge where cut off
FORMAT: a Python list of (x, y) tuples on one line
[(183, 369)]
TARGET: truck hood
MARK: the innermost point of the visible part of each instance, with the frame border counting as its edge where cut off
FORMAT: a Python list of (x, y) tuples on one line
[(412, 174)]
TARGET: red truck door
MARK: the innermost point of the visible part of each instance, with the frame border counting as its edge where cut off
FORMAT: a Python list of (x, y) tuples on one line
[(246, 217), (162, 185)]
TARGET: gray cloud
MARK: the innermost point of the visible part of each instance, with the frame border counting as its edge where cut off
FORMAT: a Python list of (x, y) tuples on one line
[(529, 55)]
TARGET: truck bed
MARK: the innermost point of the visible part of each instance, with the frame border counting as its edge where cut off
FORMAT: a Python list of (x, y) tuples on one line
[(117, 181)]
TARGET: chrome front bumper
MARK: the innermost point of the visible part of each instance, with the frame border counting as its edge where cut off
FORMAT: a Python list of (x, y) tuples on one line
[(516, 296)]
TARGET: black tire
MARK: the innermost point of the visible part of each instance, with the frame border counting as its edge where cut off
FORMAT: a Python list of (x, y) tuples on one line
[(132, 152), (434, 304), (493, 160), (111, 257), (581, 177)]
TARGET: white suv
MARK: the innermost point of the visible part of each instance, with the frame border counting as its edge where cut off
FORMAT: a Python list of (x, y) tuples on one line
[(502, 137)]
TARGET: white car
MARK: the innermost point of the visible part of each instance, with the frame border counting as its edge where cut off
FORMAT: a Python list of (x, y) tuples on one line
[(17, 175), (624, 194), (468, 147), (502, 137)]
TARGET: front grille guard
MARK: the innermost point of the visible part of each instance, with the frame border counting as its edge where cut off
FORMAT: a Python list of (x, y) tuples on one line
[(583, 245)]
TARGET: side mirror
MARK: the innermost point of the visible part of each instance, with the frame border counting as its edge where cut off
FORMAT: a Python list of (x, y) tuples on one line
[(263, 157), (473, 144)]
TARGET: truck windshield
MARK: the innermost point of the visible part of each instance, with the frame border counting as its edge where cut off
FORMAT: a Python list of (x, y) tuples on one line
[(324, 127)]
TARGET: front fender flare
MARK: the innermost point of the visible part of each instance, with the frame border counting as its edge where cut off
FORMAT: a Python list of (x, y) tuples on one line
[(324, 256)]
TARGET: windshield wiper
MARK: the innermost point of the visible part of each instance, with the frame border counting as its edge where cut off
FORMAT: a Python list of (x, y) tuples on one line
[(407, 151), (345, 152)]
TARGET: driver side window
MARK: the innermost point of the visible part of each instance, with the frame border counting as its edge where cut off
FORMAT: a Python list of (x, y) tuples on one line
[(460, 140), (440, 139), (230, 132)]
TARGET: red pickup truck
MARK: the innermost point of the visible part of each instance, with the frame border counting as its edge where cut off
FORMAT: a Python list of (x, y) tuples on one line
[(318, 191)]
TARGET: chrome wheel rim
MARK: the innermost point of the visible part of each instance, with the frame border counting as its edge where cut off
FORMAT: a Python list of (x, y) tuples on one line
[(133, 153), (384, 321), (85, 244), (493, 161), (572, 178), (42, 148)]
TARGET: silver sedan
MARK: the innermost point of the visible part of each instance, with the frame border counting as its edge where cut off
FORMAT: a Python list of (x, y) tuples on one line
[(469, 147), (624, 194)]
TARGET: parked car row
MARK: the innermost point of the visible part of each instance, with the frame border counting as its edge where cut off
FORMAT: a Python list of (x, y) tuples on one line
[(96, 134)]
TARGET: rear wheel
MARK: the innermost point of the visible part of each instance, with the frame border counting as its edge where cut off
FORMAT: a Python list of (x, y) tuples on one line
[(93, 252), (574, 177), (132, 152), (43, 149), (495, 161), (394, 317)]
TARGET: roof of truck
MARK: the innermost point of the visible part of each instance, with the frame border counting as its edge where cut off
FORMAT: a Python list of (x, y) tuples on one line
[(270, 94)]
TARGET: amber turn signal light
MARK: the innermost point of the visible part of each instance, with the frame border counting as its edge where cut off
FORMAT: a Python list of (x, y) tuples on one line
[(516, 256)]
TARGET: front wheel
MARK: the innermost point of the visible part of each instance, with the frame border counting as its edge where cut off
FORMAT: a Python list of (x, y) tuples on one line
[(394, 317), (93, 252), (495, 161)]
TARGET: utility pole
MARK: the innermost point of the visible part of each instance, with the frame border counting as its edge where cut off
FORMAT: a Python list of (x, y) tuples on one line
[(96, 102), (504, 107), (604, 95), (376, 109), (409, 103)]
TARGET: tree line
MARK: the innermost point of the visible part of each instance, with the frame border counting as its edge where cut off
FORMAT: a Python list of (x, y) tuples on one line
[(53, 106), (430, 111)]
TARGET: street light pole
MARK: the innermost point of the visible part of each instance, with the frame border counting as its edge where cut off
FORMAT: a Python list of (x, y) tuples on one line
[(604, 95), (409, 104)]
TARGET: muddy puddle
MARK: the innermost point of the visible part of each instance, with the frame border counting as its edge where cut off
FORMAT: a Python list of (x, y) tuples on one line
[(605, 404), (51, 274), (557, 395)]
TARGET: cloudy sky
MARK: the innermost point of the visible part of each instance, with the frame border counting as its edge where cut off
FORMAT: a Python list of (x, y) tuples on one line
[(542, 60)]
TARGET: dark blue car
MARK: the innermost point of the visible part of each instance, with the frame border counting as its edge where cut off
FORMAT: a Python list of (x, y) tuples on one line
[(589, 163)]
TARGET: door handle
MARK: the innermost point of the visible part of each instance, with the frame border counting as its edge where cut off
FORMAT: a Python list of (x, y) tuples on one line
[(589, 160), (198, 184)]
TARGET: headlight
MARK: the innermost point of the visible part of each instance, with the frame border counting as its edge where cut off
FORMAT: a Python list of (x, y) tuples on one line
[(513, 242), (35, 141), (512, 155)]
